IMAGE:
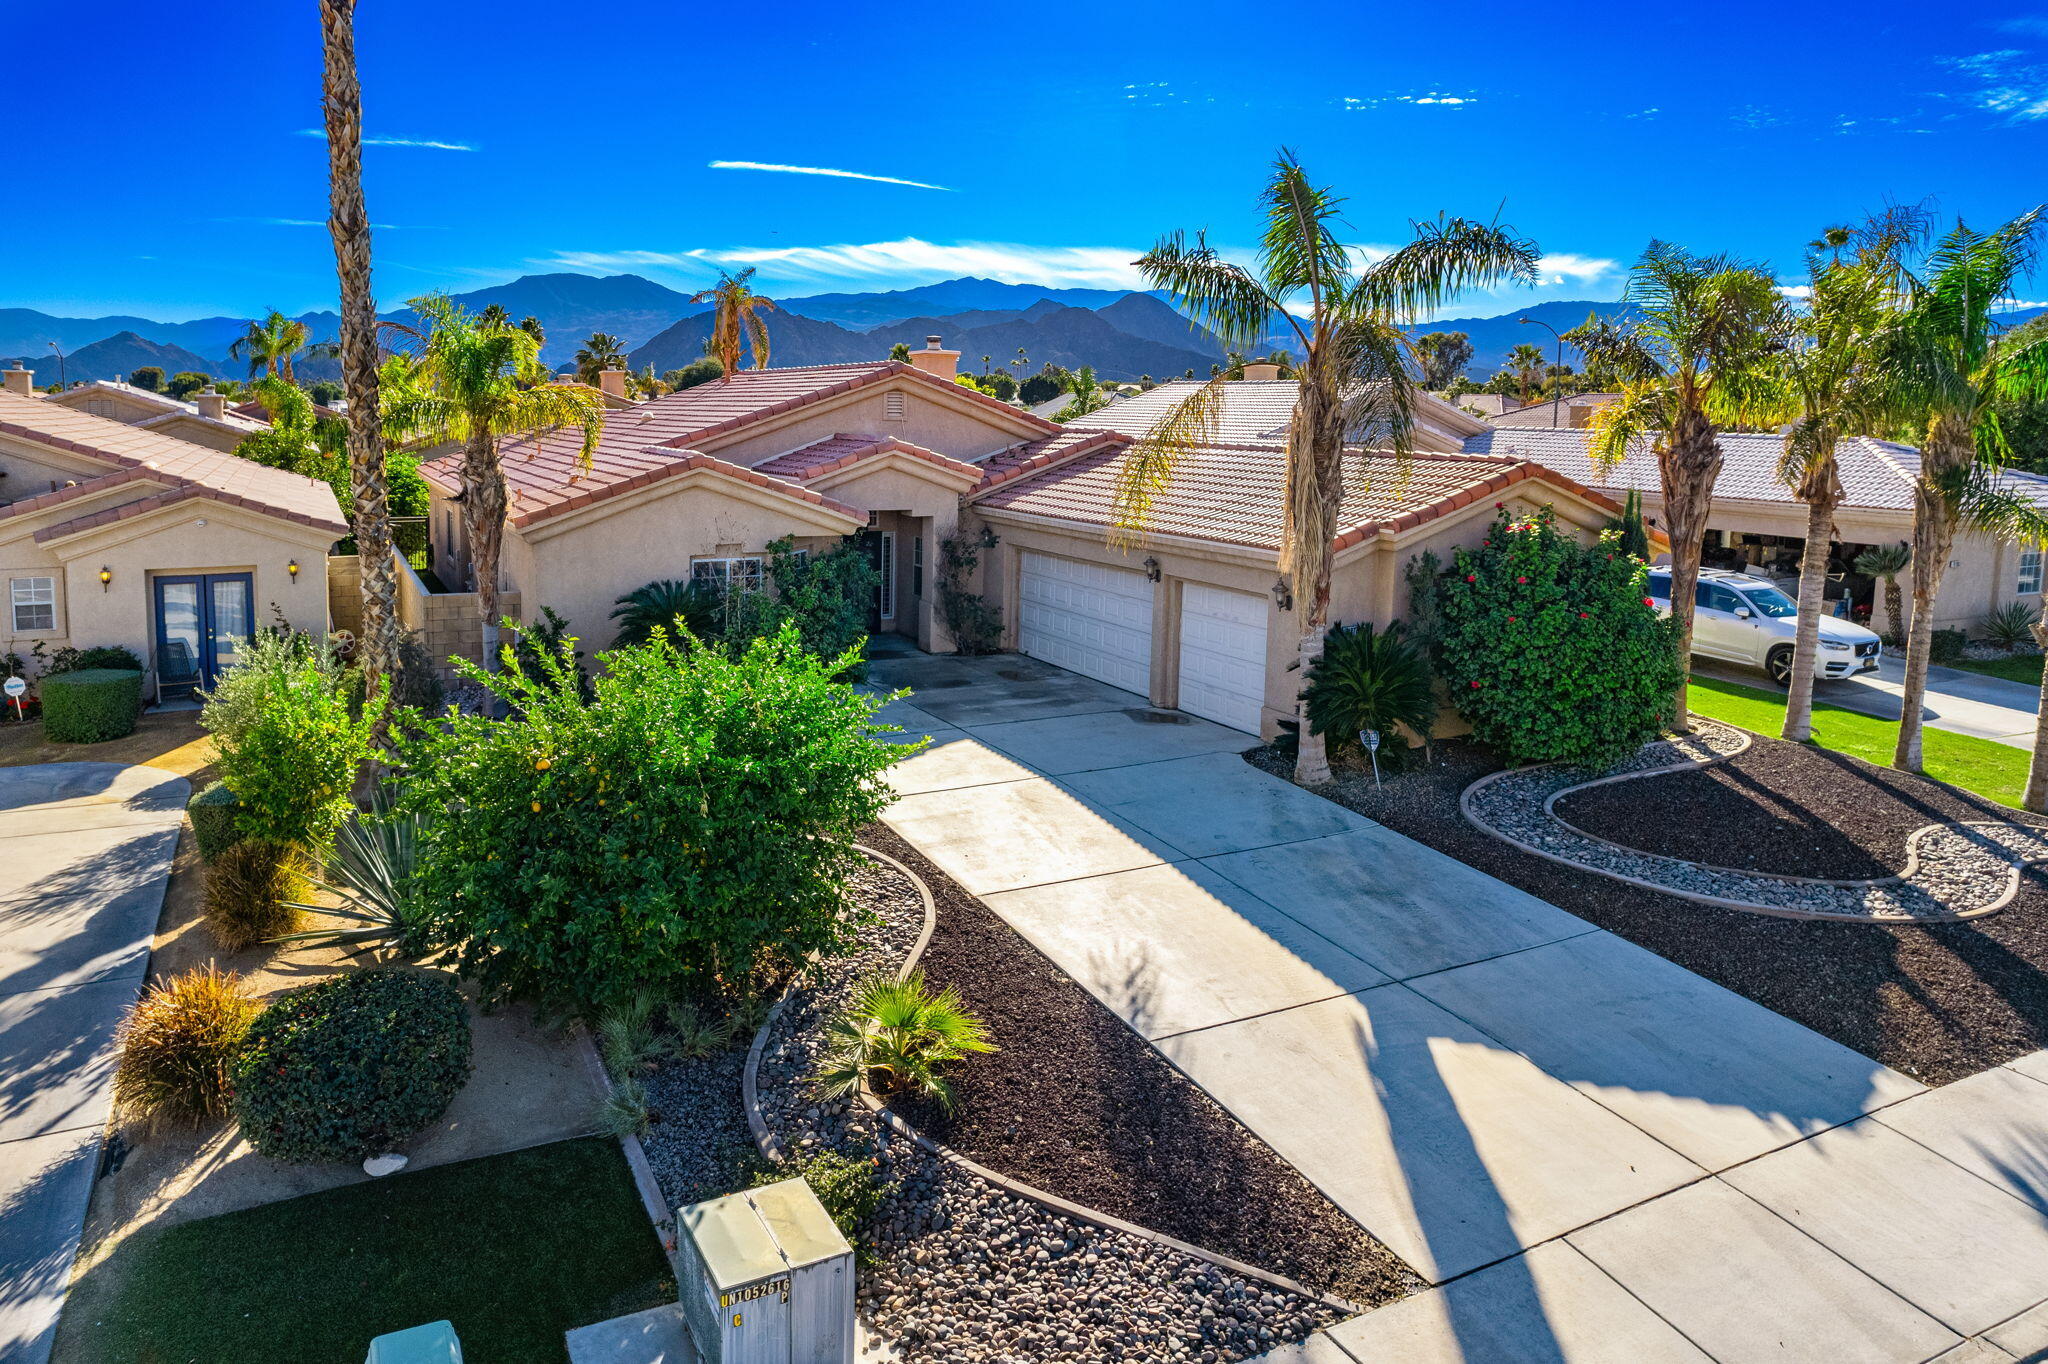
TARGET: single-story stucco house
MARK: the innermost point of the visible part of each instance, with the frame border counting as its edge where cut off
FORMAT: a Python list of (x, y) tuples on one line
[(1756, 521), (207, 420), (118, 534)]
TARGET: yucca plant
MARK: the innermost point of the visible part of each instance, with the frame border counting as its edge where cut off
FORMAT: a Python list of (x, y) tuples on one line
[(2010, 627), (179, 1044), (1368, 679), (371, 872), (896, 1036)]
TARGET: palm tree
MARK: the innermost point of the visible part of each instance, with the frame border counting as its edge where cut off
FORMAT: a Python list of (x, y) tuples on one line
[(348, 223), (601, 352), (478, 385), (1945, 368), (1355, 372), (900, 352), (1088, 395), (1694, 357), (1526, 362), (271, 342), (1831, 349), (1886, 563), (739, 309)]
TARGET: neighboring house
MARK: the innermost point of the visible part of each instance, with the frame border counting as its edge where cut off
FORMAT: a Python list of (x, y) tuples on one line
[(1756, 522), (116, 534), (1484, 404), (1572, 412), (1257, 409), (206, 420)]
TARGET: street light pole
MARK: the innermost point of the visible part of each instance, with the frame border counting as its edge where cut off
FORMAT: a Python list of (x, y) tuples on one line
[(61, 384), (1558, 378)]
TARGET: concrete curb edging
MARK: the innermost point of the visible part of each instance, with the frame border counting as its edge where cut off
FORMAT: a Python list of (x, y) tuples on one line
[(1913, 841), (644, 1182), (772, 1148)]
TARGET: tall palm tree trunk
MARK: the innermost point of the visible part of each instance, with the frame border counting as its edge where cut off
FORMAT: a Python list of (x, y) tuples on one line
[(1315, 490), (2036, 798), (1825, 488), (1949, 447), (483, 517), (348, 223), (1687, 464)]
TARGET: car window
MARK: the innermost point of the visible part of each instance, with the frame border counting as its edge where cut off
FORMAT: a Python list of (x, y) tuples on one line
[(1769, 601), (1715, 597)]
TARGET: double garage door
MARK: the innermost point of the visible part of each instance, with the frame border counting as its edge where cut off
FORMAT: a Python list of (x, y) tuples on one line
[(1097, 621)]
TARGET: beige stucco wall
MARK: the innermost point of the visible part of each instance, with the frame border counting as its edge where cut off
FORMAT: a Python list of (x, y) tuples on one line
[(28, 470), (201, 432), (111, 403), (962, 429)]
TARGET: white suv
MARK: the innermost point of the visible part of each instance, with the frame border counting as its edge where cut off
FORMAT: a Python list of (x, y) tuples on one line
[(1740, 619)]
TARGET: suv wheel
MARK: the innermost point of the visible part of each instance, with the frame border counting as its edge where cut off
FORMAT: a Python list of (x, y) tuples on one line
[(1779, 665)]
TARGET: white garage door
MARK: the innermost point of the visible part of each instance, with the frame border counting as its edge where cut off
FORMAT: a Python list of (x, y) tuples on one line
[(1093, 620), (1223, 656)]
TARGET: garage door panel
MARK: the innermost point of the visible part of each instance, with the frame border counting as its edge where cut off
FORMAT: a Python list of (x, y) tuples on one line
[(1223, 656), (1088, 618)]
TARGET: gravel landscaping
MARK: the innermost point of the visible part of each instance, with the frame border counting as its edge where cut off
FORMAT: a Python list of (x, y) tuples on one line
[(964, 1270), (1937, 1001)]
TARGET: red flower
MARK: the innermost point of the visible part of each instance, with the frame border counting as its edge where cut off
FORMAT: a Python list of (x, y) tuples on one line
[(1647, 601), (1498, 506), (1582, 615), (1521, 580), (1471, 577), (1475, 686), (1511, 620)]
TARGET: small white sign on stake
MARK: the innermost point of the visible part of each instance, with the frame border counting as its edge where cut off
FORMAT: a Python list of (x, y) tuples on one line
[(15, 688)]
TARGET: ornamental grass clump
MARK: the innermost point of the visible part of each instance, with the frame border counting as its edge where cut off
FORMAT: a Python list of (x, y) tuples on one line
[(252, 889), (897, 1037), (178, 1047), (684, 828), (1551, 649)]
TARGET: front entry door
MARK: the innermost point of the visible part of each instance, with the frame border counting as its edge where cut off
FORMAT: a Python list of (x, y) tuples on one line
[(201, 621)]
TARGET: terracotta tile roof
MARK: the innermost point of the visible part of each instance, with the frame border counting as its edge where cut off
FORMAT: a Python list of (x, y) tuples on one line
[(1231, 494), (842, 449), (1876, 474), (1256, 411), (672, 464), (1035, 455), (135, 451)]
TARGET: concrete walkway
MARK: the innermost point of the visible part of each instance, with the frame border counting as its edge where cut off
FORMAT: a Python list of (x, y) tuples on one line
[(1600, 1155), (86, 849), (1959, 701)]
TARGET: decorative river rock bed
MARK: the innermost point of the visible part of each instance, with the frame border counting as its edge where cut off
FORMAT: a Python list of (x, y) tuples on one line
[(963, 1269), (1955, 871)]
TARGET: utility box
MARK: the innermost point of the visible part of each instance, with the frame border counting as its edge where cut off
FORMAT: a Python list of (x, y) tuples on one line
[(766, 1278), (434, 1343)]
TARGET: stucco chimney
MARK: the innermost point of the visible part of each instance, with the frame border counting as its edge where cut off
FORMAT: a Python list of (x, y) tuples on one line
[(936, 359), (1257, 372), (612, 381), (211, 404), (19, 380)]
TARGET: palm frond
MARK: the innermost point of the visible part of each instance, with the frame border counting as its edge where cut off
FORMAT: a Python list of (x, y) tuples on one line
[(1643, 408), (1298, 251), (1219, 294), (1147, 468), (1447, 257)]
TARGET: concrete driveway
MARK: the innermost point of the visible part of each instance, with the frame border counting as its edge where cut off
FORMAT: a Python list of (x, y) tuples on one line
[(86, 850), (1598, 1154), (1959, 701)]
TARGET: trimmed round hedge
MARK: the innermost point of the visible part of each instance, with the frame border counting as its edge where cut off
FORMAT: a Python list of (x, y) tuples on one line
[(90, 706), (214, 812), (352, 1066)]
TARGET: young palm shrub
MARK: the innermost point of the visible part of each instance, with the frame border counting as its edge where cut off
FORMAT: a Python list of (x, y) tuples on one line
[(179, 1044), (1368, 679), (2010, 627), (624, 1112), (896, 1036), (663, 604), (1886, 563), (371, 872), (253, 891)]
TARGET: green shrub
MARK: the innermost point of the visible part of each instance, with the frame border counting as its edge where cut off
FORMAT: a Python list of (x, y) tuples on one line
[(216, 816), (1369, 679), (897, 1036), (150, 377), (827, 597), (179, 1044), (109, 656), (352, 1066), (976, 626), (251, 888), (186, 382), (664, 603), (849, 1187), (690, 821), (1550, 648), (1946, 647), (91, 705), (288, 738), (2011, 626)]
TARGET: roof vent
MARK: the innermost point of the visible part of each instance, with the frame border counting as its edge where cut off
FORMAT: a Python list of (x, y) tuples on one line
[(892, 406)]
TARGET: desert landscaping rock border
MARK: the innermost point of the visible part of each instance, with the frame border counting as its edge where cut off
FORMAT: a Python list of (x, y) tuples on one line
[(772, 1149), (1954, 871)]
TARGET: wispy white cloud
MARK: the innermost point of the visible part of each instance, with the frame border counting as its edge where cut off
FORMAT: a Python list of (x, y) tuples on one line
[(909, 260), (1566, 267), (2031, 25), (427, 143), (1648, 113), (303, 222), (1798, 293), (823, 170), (1444, 99), (2004, 81)]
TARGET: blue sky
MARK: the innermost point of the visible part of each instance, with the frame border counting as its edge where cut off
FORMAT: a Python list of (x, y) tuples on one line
[(174, 176)]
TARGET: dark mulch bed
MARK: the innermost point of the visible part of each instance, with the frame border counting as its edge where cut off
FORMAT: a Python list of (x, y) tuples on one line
[(1077, 1104), (1939, 1003), (1780, 807)]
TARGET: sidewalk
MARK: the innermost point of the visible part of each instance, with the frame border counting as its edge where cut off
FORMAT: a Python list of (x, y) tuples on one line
[(1599, 1155)]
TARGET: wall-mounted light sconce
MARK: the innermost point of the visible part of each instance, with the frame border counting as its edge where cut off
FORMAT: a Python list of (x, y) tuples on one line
[(1152, 570), (1283, 594), (293, 569), (106, 577)]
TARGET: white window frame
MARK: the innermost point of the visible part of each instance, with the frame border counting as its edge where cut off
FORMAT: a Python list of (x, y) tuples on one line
[(26, 594), (2028, 580), (917, 568), (885, 590), (747, 569)]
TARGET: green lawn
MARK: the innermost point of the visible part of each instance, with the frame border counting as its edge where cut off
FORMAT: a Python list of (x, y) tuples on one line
[(2018, 668), (1993, 770), (512, 1249)]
